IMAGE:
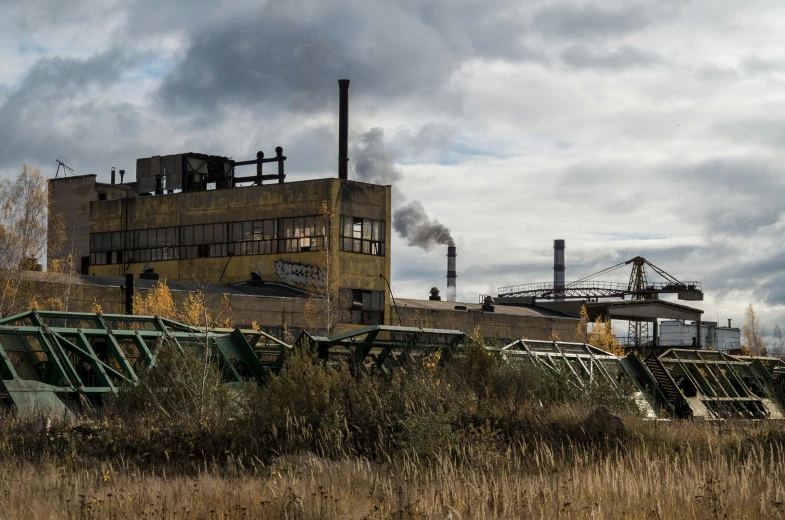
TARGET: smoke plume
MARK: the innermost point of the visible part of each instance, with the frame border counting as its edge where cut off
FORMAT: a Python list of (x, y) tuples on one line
[(413, 223), (374, 161)]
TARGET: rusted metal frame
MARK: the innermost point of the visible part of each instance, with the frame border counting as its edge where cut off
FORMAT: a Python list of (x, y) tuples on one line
[(224, 361), (586, 369), (160, 324), (687, 372), (707, 389), (511, 345), (381, 357), (7, 366), (605, 372), (716, 379), (729, 386), (567, 362), (362, 349), (144, 350), (741, 383), (119, 356), (98, 366), (60, 358), (674, 354)]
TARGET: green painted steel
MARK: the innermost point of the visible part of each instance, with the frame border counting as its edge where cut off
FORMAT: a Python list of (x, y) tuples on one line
[(54, 362)]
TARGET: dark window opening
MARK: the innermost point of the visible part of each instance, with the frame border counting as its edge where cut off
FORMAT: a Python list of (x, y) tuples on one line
[(366, 307)]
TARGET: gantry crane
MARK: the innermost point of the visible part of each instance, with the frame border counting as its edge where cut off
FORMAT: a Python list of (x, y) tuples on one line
[(638, 288)]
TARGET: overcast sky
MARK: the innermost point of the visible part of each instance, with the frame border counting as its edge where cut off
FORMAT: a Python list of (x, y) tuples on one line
[(651, 128)]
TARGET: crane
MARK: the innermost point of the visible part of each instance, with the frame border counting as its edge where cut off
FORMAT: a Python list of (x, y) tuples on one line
[(589, 287)]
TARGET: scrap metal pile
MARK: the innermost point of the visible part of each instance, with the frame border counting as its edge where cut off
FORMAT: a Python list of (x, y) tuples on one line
[(53, 363)]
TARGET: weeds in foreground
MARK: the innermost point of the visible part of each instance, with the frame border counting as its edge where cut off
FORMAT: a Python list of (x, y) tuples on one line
[(473, 438)]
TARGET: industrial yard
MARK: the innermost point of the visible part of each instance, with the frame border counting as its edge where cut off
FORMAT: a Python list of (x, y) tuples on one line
[(400, 259)]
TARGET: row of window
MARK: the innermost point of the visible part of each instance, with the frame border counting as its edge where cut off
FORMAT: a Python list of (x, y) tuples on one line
[(288, 235), (206, 234), (262, 247)]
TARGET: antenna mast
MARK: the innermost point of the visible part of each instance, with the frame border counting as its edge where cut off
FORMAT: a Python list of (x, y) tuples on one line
[(66, 168)]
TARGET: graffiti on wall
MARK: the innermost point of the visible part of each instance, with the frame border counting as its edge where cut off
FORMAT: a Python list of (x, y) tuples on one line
[(299, 274)]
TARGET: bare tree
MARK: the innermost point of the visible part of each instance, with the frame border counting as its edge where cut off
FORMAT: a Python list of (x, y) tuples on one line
[(327, 306), (24, 205), (778, 347)]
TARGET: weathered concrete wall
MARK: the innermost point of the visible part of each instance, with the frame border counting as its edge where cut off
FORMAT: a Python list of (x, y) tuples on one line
[(294, 199), (493, 325), (70, 203)]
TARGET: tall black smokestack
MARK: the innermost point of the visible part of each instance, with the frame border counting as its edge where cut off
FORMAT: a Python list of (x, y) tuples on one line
[(558, 269), (343, 130), (451, 275)]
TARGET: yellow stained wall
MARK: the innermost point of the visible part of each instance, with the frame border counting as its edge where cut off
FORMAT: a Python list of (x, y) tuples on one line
[(494, 325), (294, 199)]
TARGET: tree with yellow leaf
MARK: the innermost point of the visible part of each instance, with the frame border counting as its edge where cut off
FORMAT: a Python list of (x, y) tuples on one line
[(598, 334), (753, 333), (193, 309)]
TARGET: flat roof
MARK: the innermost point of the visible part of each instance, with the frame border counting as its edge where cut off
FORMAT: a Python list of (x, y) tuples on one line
[(268, 290), (523, 310), (642, 310)]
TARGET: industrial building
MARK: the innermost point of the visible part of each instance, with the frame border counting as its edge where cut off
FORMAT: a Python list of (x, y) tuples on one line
[(679, 333), (637, 302), (267, 244)]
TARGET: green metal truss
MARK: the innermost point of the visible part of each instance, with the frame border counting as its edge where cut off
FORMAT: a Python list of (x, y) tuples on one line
[(53, 361), (382, 347)]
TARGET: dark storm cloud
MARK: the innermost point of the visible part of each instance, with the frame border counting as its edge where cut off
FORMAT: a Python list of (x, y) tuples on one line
[(287, 56), (625, 57), (49, 114), (569, 21), (763, 276)]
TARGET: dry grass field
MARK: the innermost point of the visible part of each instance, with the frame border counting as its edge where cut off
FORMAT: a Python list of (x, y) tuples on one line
[(482, 440), (519, 482)]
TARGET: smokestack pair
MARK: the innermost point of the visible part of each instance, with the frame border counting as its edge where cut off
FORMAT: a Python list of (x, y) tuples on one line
[(122, 173)]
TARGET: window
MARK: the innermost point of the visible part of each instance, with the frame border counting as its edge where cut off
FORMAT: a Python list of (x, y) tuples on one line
[(366, 307), (257, 237), (362, 235)]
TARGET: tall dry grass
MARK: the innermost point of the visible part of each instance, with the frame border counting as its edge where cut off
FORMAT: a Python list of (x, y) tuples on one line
[(475, 438), (523, 481)]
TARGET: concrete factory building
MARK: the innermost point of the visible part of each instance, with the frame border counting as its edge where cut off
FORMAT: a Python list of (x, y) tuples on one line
[(266, 244)]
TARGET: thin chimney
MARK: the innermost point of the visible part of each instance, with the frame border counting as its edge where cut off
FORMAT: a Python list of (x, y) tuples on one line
[(113, 179), (451, 274), (343, 130), (558, 269)]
